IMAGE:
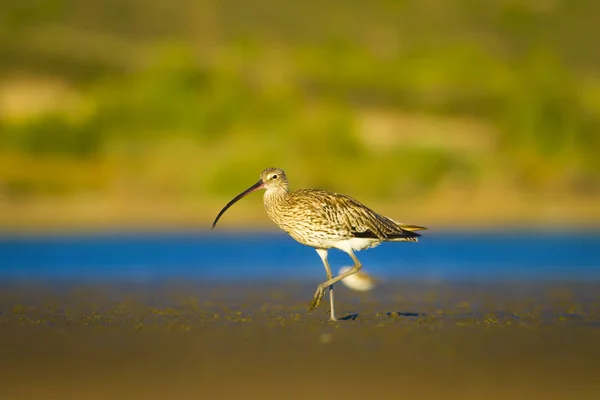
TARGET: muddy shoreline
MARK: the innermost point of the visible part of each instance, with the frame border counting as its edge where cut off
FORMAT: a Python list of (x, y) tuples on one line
[(216, 340)]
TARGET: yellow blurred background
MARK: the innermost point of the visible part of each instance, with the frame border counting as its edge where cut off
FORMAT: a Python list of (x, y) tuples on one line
[(131, 113)]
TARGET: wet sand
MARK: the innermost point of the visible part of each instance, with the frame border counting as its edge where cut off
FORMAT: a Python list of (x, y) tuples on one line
[(229, 341)]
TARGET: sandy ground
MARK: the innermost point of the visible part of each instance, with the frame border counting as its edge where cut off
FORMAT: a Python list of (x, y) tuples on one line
[(257, 341)]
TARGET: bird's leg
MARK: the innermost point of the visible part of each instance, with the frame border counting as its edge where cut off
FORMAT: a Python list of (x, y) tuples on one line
[(321, 288), (323, 254)]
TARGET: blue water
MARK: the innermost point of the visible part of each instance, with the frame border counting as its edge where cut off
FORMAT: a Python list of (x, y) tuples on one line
[(444, 255)]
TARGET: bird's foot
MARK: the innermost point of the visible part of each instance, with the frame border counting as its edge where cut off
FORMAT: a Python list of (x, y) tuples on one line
[(317, 298)]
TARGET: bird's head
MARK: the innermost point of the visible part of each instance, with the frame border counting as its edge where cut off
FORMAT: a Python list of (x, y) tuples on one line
[(270, 179), (274, 178)]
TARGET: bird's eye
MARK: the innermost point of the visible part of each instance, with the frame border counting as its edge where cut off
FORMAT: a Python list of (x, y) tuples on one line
[(274, 176)]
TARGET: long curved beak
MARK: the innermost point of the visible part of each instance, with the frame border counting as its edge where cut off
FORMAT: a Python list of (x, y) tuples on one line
[(257, 186)]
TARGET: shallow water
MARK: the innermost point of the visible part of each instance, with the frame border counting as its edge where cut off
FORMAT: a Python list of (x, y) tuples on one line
[(138, 256)]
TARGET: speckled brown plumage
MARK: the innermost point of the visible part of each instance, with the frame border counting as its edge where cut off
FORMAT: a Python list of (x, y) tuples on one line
[(316, 218), (325, 220)]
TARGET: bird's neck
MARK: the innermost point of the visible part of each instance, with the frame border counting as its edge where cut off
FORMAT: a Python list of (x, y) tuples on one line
[(274, 197)]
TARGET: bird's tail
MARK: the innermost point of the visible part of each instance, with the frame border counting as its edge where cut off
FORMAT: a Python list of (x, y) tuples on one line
[(405, 235)]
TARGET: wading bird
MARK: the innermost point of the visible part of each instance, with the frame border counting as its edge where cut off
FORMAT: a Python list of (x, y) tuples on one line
[(325, 220)]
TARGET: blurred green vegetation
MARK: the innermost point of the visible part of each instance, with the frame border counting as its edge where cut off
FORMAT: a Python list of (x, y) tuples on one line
[(190, 98)]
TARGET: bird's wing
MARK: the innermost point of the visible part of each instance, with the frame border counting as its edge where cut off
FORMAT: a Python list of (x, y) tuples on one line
[(347, 216)]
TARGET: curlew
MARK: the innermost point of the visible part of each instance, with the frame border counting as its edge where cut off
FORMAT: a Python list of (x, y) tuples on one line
[(325, 220)]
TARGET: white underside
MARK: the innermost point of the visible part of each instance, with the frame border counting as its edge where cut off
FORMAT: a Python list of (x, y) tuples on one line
[(354, 244)]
